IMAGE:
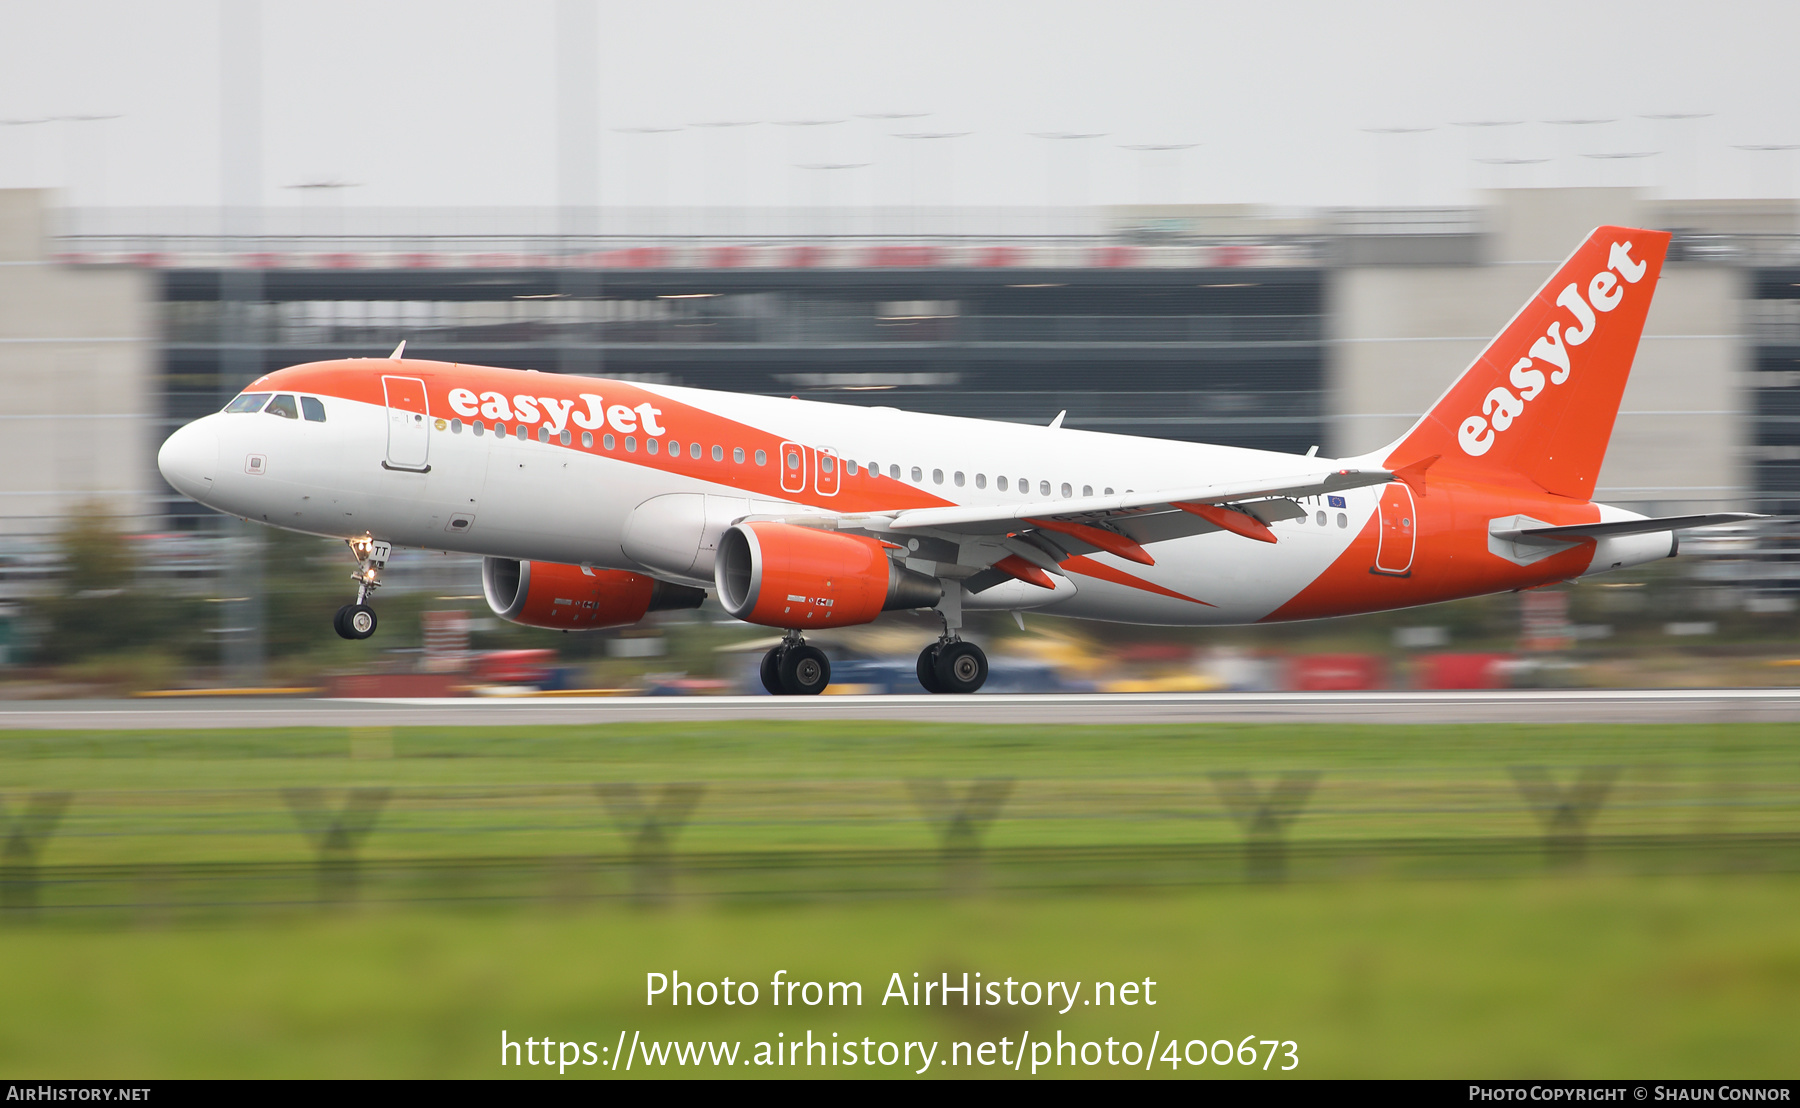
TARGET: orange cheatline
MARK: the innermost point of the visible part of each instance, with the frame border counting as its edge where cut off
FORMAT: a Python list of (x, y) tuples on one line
[(1014, 566), (1238, 523), (1110, 541)]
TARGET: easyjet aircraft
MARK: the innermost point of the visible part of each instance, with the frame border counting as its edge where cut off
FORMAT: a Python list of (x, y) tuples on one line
[(597, 501)]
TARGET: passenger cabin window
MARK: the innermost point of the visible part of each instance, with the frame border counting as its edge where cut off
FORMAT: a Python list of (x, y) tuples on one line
[(314, 409), (762, 458), (1000, 483), (248, 402), (607, 441), (918, 475), (587, 439), (981, 480), (284, 407), (737, 454)]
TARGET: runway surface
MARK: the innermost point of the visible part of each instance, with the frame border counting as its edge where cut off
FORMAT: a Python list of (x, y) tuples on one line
[(1431, 708)]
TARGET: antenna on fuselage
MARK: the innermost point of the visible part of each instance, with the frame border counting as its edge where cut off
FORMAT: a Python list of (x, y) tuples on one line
[(1057, 422), (398, 350)]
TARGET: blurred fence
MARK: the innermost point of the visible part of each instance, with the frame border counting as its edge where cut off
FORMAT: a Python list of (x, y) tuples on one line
[(188, 851)]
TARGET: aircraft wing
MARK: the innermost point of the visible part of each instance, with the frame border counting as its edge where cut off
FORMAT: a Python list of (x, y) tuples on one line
[(999, 519), (1031, 538)]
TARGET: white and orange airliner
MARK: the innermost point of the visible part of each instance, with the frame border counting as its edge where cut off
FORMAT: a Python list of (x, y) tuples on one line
[(597, 501)]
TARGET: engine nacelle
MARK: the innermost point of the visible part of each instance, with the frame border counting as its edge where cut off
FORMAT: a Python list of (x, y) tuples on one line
[(569, 598), (780, 575)]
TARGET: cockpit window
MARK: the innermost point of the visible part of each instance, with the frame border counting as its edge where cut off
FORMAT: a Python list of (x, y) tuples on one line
[(284, 407), (314, 409), (248, 402)]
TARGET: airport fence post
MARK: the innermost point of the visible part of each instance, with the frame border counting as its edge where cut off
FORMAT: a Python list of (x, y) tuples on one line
[(336, 837), (961, 822), (20, 881), (1565, 813), (650, 830), (1266, 817)]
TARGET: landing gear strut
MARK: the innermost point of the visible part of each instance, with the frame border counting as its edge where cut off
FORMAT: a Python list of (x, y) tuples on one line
[(795, 669), (357, 620)]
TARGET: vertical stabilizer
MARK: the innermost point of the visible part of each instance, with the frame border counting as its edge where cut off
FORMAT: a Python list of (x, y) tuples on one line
[(1539, 403)]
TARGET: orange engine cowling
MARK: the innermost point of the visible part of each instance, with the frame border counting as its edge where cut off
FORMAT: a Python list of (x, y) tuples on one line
[(569, 598), (780, 575)]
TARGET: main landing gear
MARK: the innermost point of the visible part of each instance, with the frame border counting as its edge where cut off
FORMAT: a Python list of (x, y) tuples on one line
[(951, 665), (795, 669), (357, 621)]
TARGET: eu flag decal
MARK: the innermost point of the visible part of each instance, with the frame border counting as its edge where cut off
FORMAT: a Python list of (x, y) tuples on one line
[(1335, 501)]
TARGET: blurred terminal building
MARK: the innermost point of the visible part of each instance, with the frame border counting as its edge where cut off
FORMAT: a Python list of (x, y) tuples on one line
[(1217, 323)]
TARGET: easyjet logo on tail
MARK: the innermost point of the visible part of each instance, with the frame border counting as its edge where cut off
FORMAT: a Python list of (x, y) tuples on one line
[(1502, 406)]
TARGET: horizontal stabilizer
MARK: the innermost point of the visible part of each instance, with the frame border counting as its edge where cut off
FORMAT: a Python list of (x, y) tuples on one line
[(1624, 527)]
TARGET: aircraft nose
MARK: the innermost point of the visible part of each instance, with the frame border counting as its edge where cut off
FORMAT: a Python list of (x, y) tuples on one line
[(189, 459)]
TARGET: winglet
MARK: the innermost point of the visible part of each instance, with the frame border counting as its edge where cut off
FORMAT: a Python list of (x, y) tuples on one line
[(398, 350), (1413, 476)]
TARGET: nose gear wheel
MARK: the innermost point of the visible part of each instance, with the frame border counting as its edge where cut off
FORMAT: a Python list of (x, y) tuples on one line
[(354, 621)]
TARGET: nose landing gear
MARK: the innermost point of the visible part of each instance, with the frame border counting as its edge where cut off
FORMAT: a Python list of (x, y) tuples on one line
[(795, 669), (357, 620)]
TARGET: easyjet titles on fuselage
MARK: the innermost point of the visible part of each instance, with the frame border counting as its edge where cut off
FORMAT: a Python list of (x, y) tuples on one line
[(557, 413)]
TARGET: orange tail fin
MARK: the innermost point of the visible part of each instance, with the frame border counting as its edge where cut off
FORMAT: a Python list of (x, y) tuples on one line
[(1540, 401)]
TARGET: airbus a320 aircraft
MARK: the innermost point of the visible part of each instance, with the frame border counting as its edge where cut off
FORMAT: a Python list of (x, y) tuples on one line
[(598, 501)]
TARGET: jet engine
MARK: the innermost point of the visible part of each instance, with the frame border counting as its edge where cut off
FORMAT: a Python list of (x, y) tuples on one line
[(570, 598), (780, 575)]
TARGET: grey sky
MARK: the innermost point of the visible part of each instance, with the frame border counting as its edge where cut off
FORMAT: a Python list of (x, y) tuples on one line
[(452, 103)]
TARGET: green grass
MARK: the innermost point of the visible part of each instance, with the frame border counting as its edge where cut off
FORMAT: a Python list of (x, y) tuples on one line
[(1542, 978), (189, 926)]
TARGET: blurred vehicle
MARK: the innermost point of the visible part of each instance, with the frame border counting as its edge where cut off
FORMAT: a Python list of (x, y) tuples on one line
[(1463, 671), (1336, 672), (515, 667)]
